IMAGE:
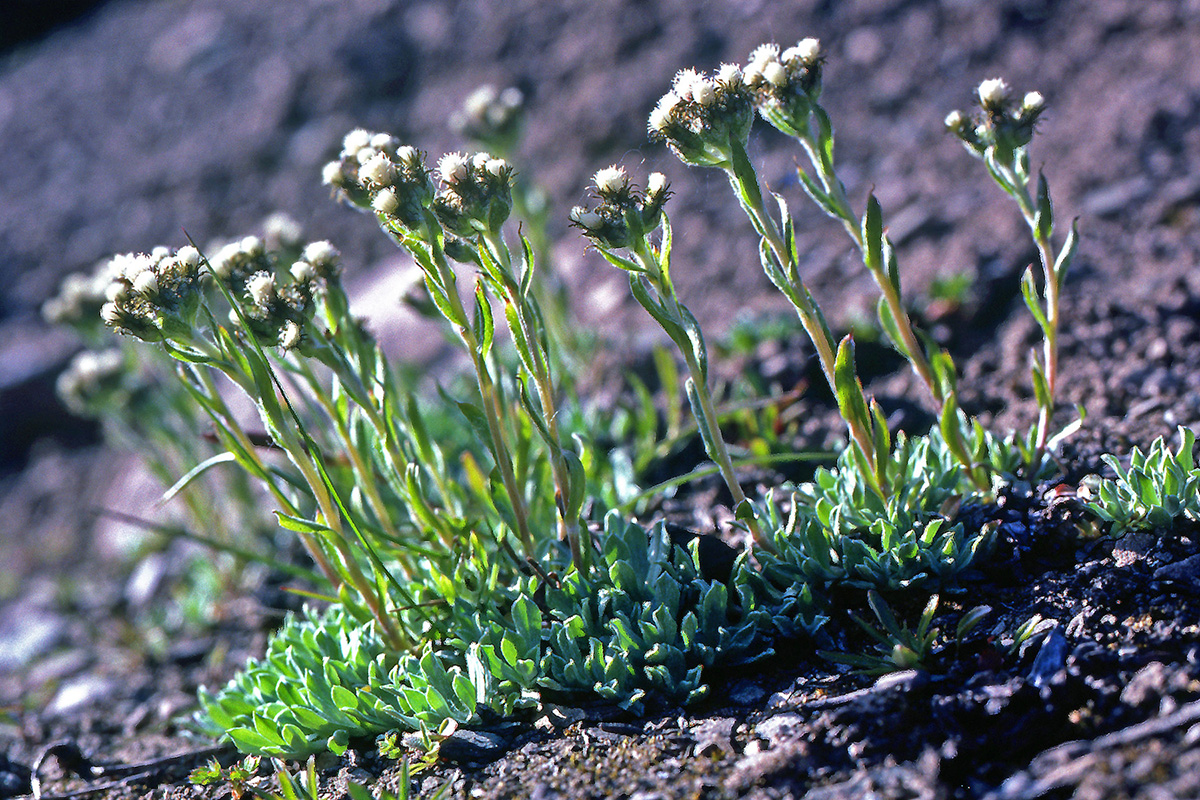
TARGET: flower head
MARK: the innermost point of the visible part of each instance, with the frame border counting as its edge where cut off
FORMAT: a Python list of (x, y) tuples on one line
[(1002, 125), (624, 215), (787, 84), (702, 116)]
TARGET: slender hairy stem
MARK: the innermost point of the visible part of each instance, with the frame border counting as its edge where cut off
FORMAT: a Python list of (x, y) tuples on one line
[(544, 383), (492, 410), (706, 414)]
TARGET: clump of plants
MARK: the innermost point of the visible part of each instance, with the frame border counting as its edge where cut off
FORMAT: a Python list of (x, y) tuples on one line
[(474, 541)]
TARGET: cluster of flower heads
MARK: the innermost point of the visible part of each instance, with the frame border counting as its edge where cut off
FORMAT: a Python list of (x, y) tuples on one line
[(375, 172), (624, 214), (1002, 123), (79, 300), (786, 84), (490, 116), (91, 377), (703, 114), (155, 296)]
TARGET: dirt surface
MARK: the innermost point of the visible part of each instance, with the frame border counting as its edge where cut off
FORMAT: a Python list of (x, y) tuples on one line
[(136, 120)]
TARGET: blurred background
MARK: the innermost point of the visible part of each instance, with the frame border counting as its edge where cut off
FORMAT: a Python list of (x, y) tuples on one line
[(125, 123)]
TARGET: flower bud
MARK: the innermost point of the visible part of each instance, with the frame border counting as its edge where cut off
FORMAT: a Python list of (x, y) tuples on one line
[(320, 254), (332, 174), (146, 282), (303, 272), (356, 140), (806, 51), (611, 180), (261, 288), (775, 74), (189, 257), (386, 201), (289, 335), (110, 313), (378, 171), (454, 167), (1033, 102), (656, 183), (588, 220), (251, 246), (992, 93)]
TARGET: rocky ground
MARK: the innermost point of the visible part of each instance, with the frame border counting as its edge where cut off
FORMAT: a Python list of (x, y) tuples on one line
[(131, 121)]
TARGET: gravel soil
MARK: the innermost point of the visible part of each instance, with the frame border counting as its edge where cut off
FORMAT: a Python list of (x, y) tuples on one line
[(130, 121)]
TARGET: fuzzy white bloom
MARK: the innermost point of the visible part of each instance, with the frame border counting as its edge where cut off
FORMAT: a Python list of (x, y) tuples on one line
[(454, 167), (356, 140), (775, 74), (320, 253), (479, 161), (610, 180), (382, 141), (993, 92), (683, 82), (160, 252), (303, 272), (664, 111), (753, 75), (110, 313), (955, 120), (379, 170), (131, 265), (704, 92), (477, 102), (146, 282), (764, 54), (406, 154), (1033, 101), (226, 257), (496, 166), (332, 174), (806, 51), (366, 154), (261, 288), (251, 246), (589, 220), (386, 202), (289, 335), (188, 256), (729, 75), (656, 183), (117, 290)]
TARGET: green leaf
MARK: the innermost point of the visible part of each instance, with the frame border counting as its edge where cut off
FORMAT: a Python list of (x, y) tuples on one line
[(1043, 217), (301, 525), (1063, 263), (850, 397), (484, 325), (890, 328), (1033, 302), (872, 235)]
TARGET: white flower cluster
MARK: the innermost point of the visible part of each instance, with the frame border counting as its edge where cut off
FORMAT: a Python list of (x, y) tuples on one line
[(773, 73), (1002, 123), (476, 193), (488, 115), (150, 293), (623, 213), (90, 374)]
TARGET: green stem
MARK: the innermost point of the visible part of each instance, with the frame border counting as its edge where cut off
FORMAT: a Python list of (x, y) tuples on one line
[(544, 382), (706, 414), (487, 390)]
